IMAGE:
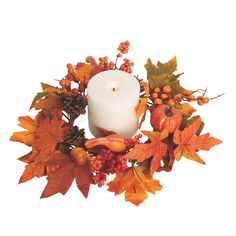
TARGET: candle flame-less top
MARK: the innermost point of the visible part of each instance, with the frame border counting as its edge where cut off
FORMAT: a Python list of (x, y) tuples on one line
[(112, 98)]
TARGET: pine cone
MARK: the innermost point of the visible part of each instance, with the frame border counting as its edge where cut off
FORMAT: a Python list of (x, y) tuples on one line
[(75, 136), (73, 104)]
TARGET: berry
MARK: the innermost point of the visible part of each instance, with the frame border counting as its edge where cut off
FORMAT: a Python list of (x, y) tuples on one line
[(178, 96), (167, 89), (75, 90), (154, 95), (157, 90), (205, 100), (171, 102), (65, 83), (191, 97), (164, 96), (69, 65), (62, 83), (200, 102), (158, 101)]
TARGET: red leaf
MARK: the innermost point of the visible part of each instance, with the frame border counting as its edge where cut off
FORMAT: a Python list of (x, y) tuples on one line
[(60, 180)]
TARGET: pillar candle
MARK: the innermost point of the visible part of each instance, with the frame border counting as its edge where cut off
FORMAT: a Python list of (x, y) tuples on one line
[(112, 98)]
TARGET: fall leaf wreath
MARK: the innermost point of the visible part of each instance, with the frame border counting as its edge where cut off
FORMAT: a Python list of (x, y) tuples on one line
[(61, 151)]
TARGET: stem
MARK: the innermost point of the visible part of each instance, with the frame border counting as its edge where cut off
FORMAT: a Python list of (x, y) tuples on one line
[(219, 95), (204, 92), (116, 61)]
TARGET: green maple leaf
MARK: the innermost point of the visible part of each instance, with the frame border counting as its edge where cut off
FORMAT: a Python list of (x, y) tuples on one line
[(162, 74)]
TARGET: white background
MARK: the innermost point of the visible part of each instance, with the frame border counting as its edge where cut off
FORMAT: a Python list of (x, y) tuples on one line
[(37, 40)]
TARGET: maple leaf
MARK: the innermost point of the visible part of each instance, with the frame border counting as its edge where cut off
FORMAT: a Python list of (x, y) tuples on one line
[(37, 164), (31, 125), (135, 184), (86, 71), (62, 178), (156, 149), (49, 134), (189, 143), (47, 90), (163, 74), (32, 170), (49, 105)]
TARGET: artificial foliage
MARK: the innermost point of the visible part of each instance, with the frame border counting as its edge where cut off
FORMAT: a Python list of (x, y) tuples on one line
[(61, 152)]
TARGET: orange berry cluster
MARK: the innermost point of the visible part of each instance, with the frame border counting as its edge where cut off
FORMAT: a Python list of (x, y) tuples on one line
[(163, 96), (105, 163), (126, 66), (130, 142), (104, 64), (123, 47), (72, 76), (201, 100)]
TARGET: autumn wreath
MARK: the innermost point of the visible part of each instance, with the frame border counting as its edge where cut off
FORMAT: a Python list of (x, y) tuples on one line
[(61, 151)]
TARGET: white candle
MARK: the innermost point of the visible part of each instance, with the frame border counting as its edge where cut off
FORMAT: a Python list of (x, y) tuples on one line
[(112, 98)]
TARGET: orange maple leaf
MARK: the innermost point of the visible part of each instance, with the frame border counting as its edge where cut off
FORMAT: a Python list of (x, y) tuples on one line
[(62, 178), (156, 149), (49, 134), (188, 143), (50, 104), (135, 185), (37, 164), (31, 125)]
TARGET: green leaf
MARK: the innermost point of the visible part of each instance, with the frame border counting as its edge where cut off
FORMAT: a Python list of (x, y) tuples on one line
[(168, 67), (151, 69), (162, 75)]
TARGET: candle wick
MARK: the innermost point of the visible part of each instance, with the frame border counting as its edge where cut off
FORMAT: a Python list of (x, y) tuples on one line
[(113, 89)]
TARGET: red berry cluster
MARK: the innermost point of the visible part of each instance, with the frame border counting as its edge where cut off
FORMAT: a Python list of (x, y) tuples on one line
[(130, 142), (126, 66), (124, 47), (104, 64), (106, 162)]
